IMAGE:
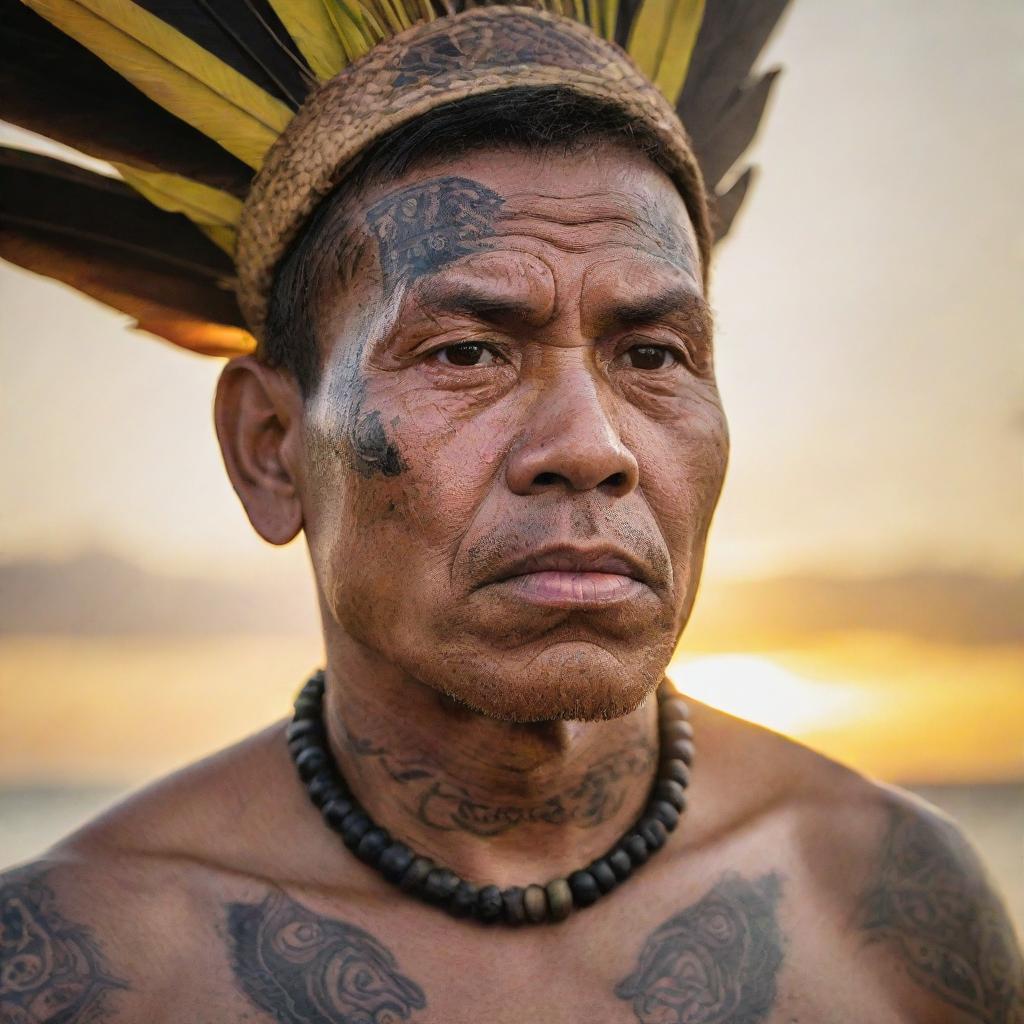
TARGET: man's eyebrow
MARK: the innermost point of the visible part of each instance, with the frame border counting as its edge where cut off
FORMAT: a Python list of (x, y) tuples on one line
[(668, 303), (479, 299)]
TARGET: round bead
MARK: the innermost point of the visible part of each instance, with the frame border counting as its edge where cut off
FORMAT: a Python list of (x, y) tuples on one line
[(672, 732), (310, 761), (584, 888), (602, 873), (395, 861), (559, 899), (336, 811), (677, 750), (635, 846), (535, 901), (665, 813), (307, 707), (439, 885), (323, 787), (676, 771), (620, 863), (654, 832), (416, 874), (513, 905), (489, 904), (671, 792), (672, 710), (372, 845), (463, 900), (303, 730), (354, 827), (666, 692)]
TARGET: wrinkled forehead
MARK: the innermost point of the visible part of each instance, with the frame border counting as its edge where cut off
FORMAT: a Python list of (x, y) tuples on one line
[(565, 210)]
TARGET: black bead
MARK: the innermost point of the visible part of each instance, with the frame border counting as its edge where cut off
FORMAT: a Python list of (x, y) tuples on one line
[(310, 761), (513, 905), (665, 813), (307, 708), (489, 904), (678, 750), (303, 729), (654, 833), (323, 787), (463, 900), (372, 845), (674, 732), (602, 873), (337, 810), (416, 874), (671, 792), (635, 846), (675, 770), (584, 887), (354, 827), (395, 861), (439, 885), (620, 863)]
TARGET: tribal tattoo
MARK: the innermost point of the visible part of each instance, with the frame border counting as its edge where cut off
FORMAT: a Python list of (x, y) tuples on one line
[(424, 227), (302, 968), (593, 798), (51, 969), (932, 905), (716, 962)]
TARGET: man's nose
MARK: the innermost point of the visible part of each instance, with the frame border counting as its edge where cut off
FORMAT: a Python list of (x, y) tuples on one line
[(570, 442)]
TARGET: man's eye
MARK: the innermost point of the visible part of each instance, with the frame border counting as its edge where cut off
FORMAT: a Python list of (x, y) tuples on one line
[(650, 357), (466, 353)]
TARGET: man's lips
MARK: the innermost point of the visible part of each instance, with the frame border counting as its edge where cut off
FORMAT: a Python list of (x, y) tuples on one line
[(570, 577)]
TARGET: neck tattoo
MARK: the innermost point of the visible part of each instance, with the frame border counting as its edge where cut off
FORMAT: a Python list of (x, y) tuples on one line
[(488, 904)]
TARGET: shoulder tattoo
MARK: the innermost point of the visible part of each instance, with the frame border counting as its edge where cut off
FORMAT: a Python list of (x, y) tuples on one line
[(305, 969), (715, 962), (51, 969), (931, 903)]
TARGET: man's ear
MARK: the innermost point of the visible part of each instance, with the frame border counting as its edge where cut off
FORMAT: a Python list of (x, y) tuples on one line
[(258, 416)]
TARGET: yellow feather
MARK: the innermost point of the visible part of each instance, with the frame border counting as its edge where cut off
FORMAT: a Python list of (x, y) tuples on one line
[(662, 40), (356, 34), (215, 212), (310, 25), (610, 15), (174, 72)]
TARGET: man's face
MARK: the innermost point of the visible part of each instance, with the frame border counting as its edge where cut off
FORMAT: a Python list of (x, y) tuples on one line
[(516, 446)]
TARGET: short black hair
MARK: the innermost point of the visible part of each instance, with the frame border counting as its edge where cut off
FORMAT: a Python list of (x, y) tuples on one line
[(532, 119)]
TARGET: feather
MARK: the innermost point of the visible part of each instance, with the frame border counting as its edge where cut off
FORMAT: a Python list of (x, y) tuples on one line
[(661, 41), (735, 128), (51, 85), (175, 72), (310, 25), (97, 235), (727, 205), (731, 36)]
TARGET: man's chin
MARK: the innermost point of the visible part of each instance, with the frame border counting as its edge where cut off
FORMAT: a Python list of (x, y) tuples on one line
[(577, 681)]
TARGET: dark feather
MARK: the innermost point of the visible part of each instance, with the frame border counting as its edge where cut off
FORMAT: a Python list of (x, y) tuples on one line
[(735, 128), (245, 34), (727, 205), (625, 17), (51, 85), (99, 236), (732, 34)]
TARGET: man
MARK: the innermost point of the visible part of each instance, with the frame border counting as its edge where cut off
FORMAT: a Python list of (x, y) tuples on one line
[(485, 394)]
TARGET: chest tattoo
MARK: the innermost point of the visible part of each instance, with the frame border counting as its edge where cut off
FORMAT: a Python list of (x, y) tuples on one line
[(51, 969), (714, 962), (302, 968)]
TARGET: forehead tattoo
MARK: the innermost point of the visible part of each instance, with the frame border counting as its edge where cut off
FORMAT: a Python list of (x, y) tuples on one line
[(424, 227)]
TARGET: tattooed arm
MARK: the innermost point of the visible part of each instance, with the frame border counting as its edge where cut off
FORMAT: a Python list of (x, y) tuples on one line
[(52, 967), (931, 909)]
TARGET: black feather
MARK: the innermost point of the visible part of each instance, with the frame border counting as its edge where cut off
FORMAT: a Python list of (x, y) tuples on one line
[(732, 34), (735, 128), (258, 47), (727, 205), (626, 15), (51, 85), (102, 219)]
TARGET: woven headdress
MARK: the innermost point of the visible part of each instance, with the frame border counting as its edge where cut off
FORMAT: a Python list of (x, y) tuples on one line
[(228, 121)]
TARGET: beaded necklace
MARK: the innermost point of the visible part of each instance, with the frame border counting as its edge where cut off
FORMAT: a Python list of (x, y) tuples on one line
[(489, 904)]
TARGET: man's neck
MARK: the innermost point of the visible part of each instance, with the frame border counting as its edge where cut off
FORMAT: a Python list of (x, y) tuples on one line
[(497, 802)]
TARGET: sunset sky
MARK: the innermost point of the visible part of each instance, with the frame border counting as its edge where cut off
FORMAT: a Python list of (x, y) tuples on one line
[(869, 347)]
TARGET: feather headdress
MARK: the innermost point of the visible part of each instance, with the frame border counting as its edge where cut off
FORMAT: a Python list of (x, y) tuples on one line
[(227, 121)]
